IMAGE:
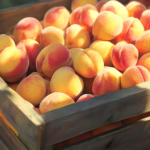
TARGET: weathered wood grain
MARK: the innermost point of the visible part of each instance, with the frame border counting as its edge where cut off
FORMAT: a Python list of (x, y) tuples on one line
[(8, 139), (75, 119), (22, 117)]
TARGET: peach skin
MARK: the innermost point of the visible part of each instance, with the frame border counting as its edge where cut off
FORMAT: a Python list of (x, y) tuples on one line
[(104, 48), (13, 85), (54, 101), (14, 64), (66, 81), (42, 75), (88, 63), (100, 4), (32, 89), (134, 75), (107, 26), (28, 28), (85, 97), (145, 17), (107, 80), (85, 16), (57, 17), (76, 37), (6, 41), (51, 35), (124, 55)]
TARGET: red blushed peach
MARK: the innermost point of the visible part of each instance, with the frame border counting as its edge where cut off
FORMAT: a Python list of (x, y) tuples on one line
[(104, 48), (78, 138), (28, 28), (142, 43), (42, 75), (32, 48), (135, 9), (146, 3), (132, 30), (57, 17), (85, 16), (76, 37), (100, 4), (117, 8), (13, 64), (88, 63), (78, 3), (51, 35), (85, 97), (124, 55), (107, 26), (66, 81), (53, 57), (6, 41), (106, 128), (54, 101), (107, 80), (145, 19), (32, 89), (134, 75)]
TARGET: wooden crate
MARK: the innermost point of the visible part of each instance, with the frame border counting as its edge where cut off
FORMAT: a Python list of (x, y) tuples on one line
[(32, 131)]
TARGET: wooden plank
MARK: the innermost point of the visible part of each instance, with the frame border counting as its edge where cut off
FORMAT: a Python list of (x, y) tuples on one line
[(20, 114), (132, 137), (9, 141), (78, 118)]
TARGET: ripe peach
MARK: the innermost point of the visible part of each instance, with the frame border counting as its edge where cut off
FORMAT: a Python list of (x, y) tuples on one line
[(130, 120), (57, 17), (51, 35), (85, 97), (6, 41), (48, 90), (54, 101), (134, 75), (144, 2), (85, 16), (28, 28), (53, 57), (76, 37), (104, 48), (13, 64), (124, 55), (100, 4), (145, 19), (107, 26), (13, 85), (88, 63), (32, 89), (42, 75), (74, 51), (107, 80), (66, 81)]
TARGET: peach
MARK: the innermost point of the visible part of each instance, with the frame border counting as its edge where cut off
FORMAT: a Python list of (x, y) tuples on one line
[(57, 17), (117, 8), (145, 19), (53, 57), (88, 63), (78, 3), (107, 80), (124, 55), (135, 9), (13, 64), (107, 26), (42, 23), (106, 128), (42, 75), (48, 90), (76, 37), (145, 61), (130, 120), (100, 4), (144, 2), (32, 48), (54, 101), (32, 89), (134, 75), (51, 35), (13, 85), (6, 41), (66, 81), (132, 30), (142, 43), (74, 51), (104, 48), (28, 28), (85, 97), (85, 16)]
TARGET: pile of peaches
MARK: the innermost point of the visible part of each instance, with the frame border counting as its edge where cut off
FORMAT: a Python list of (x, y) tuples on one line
[(98, 48)]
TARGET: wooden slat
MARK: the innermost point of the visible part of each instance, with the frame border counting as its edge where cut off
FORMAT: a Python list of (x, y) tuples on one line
[(78, 118), (132, 137), (22, 117), (8, 139)]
